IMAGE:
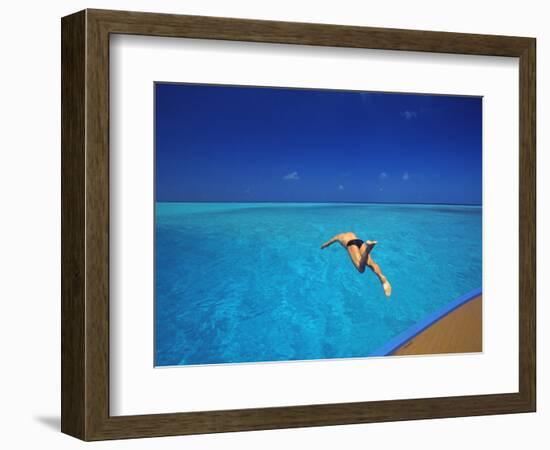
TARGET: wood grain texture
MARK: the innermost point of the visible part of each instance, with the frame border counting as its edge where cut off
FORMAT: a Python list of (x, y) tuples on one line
[(85, 224), (527, 224), (97, 225), (73, 226), (152, 24), (460, 331)]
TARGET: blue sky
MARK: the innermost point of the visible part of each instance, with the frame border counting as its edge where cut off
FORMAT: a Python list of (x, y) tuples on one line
[(228, 143)]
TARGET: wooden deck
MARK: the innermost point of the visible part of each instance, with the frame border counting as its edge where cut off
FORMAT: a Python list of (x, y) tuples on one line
[(458, 332)]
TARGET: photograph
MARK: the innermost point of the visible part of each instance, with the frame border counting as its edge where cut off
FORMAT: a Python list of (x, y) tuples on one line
[(296, 224)]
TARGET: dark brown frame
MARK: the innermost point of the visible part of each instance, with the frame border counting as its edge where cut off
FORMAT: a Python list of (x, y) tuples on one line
[(85, 224)]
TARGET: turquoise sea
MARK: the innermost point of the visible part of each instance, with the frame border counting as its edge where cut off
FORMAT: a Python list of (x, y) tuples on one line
[(247, 282)]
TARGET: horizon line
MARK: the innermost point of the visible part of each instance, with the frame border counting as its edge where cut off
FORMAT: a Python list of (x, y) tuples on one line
[(306, 201)]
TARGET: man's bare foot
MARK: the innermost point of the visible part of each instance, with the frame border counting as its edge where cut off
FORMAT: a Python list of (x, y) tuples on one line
[(369, 245), (387, 288)]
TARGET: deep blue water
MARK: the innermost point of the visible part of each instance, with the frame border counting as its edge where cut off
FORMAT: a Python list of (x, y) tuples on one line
[(247, 282)]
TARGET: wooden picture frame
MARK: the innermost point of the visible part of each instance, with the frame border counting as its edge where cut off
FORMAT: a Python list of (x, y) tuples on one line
[(85, 224)]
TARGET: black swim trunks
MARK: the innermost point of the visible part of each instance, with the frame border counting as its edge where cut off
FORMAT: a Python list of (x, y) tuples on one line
[(357, 242)]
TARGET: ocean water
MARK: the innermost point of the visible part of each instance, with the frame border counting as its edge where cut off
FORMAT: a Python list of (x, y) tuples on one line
[(247, 282)]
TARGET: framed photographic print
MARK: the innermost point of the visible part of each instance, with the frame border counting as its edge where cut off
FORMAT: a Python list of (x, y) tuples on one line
[(267, 224)]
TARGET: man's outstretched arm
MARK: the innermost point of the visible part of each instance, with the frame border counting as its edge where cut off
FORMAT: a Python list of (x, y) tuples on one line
[(332, 241)]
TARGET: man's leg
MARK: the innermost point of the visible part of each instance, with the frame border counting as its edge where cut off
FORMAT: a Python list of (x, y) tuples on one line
[(368, 246), (376, 269)]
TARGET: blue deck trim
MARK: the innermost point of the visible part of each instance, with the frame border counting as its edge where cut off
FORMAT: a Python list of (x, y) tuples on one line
[(402, 338)]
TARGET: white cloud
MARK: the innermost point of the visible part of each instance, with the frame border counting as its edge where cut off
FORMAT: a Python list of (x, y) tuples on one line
[(405, 176), (409, 114), (383, 175), (291, 176), (340, 187)]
